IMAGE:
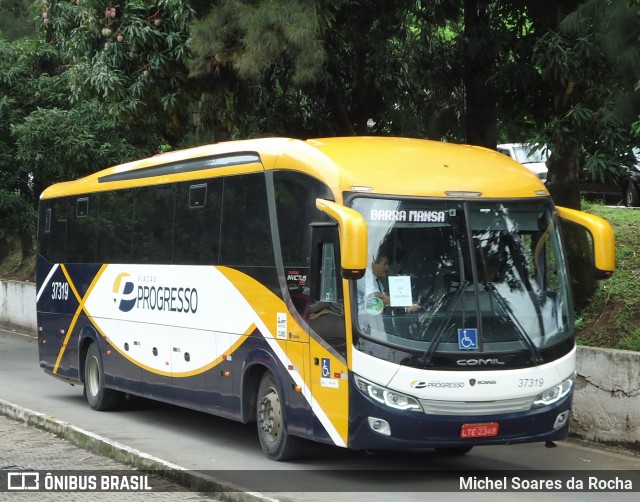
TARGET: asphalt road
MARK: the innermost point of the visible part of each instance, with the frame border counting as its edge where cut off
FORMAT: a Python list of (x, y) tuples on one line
[(230, 451)]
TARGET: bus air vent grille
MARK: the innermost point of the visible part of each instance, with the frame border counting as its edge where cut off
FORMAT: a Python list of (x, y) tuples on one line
[(471, 408)]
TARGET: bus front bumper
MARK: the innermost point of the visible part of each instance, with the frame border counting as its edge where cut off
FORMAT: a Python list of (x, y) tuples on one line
[(373, 426)]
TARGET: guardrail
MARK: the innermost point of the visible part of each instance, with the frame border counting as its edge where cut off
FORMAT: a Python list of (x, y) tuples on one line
[(606, 405)]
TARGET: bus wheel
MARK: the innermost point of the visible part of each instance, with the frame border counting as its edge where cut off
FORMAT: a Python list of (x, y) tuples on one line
[(276, 443), (98, 397), (631, 195), (454, 450)]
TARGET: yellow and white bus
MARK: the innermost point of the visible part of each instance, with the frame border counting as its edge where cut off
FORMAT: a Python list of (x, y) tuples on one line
[(370, 293)]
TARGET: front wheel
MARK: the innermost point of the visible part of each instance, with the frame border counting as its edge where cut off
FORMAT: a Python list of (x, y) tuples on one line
[(98, 397), (276, 443)]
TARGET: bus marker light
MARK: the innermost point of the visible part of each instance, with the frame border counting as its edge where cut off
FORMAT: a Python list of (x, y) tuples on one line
[(479, 430), (297, 388), (108, 352), (226, 373), (462, 193), (44, 342)]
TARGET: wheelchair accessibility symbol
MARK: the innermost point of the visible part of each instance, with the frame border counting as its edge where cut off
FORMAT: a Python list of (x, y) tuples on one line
[(468, 338), (326, 368)]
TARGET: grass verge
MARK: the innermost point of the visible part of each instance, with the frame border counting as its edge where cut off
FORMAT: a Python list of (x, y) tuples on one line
[(612, 317)]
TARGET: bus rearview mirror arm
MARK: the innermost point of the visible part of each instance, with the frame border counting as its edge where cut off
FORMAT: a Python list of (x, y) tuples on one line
[(352, 230)]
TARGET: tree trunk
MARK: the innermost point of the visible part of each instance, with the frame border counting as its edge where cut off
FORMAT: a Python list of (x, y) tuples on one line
[(563, 178), (480, 97)]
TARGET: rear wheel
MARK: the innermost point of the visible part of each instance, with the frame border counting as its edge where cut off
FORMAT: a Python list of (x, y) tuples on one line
[(276, 443), (98, 397), (631, 196)]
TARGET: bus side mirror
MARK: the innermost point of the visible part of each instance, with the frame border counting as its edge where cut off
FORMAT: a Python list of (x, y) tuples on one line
[(352, 230), (602, 236)]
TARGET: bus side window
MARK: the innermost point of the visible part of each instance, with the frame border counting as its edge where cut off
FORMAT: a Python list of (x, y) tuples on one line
[(153, 235), (115, 231), (82, 229), (53, 230), (245, 232), (196, 235), (295, 197), (328, 286)]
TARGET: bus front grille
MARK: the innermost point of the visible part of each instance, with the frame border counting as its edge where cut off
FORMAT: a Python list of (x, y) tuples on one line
[(471, 408)]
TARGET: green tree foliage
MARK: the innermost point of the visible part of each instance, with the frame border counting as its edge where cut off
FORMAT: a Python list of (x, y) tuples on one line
[(426, 69), (61, 144), (25, 86), (131, 55), (325, 64), (563, 73), (583, 58), (15, 20), (44, 140), (585, 61)]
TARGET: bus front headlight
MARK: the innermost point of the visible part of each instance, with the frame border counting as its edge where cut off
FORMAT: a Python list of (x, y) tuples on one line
[(554, 394), (388, 397)]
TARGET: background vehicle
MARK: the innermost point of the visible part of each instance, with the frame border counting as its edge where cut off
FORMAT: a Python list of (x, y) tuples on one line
[(631, 183), (226, 279), (531, 156)]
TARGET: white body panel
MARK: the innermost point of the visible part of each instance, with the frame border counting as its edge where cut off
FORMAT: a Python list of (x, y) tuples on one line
[(488, 385)]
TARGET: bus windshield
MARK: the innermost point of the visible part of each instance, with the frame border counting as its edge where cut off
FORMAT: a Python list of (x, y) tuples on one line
[(463, 277)]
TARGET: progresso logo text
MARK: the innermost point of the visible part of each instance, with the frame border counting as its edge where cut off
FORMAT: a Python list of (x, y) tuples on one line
[(127, 294)]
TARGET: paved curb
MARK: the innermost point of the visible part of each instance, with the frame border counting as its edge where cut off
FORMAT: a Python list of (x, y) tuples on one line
[(95, 443)]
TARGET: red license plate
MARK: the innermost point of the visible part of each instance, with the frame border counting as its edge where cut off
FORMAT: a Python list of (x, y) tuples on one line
[(479, 430)]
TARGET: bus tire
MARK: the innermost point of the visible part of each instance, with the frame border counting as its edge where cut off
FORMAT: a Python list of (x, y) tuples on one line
[(98, 397), (274, 440), (454, 450), (631, 196)]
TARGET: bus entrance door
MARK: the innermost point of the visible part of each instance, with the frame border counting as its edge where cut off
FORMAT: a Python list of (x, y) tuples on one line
[(328, 343)]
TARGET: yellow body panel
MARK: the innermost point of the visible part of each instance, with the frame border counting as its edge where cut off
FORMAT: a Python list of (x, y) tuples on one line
[(604, 240), (383, 165)]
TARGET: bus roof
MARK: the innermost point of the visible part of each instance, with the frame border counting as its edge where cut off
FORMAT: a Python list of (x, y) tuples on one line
[(380, 165)]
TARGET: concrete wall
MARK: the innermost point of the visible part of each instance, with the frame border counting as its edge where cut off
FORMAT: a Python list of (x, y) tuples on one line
[(606, 402), (18, 306)]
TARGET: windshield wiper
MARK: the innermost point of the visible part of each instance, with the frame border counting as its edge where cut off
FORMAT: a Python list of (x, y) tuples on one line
[(428, 354), (462, 286), (522, 334)]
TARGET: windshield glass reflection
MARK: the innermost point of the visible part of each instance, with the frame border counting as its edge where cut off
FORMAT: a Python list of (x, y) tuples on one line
[(463, 276)]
